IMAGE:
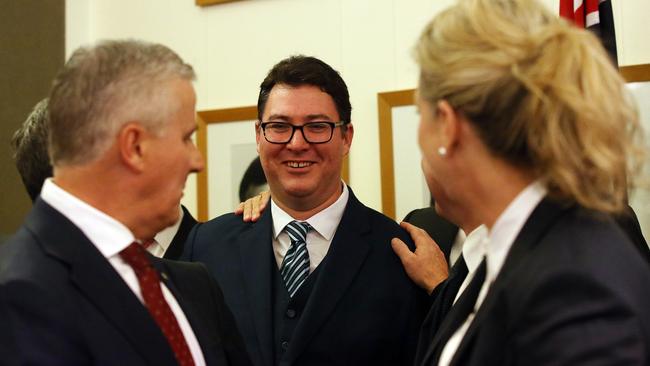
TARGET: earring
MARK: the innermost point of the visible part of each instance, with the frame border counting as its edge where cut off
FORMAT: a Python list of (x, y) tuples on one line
[(442, 151)]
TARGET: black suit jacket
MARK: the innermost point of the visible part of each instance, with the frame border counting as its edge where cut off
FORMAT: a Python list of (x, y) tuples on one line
[(175, 249), (630, 225), (62, 303), (363, 309), (441, 230), (572, 291)]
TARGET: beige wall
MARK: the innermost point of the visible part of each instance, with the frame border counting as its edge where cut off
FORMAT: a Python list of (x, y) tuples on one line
[(232, 46), (31, 40)]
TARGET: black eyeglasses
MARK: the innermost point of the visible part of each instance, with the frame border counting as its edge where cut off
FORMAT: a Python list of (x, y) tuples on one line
[(313, 132)]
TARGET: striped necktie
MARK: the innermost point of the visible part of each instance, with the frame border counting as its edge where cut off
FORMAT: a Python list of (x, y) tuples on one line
[(295, 265)]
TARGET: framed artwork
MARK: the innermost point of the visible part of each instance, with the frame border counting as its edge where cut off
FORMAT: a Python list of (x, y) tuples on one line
[(226, 138), (638, 78), (213, 2), (402, 179)]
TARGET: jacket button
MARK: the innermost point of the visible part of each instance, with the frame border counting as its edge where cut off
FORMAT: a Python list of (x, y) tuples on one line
[(285, 345), (291, 313)]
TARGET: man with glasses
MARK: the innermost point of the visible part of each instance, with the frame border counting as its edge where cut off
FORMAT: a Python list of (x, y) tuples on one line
[(314, 281)]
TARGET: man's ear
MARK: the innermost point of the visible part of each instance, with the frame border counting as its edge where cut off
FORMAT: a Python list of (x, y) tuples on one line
[(131, 141), (258, 135), (347, 138), (449, 121)]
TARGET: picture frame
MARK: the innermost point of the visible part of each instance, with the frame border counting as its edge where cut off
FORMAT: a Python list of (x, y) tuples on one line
[(213, 2), (226, 139), (390, 101)]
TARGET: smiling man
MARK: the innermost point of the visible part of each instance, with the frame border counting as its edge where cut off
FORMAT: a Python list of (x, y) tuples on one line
[(314, 281)]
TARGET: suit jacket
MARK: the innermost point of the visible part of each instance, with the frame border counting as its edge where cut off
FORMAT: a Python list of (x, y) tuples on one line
[(443, 299), (630, 225), (363, 309), (175, 249), (62, 303), (441, 230), (573, 290)]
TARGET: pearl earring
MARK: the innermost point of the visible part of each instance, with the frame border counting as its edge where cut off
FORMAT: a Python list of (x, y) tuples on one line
[(442, 151)]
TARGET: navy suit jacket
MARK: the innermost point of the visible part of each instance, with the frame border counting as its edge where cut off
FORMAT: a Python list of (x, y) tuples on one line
[(62, 303), (363, 309), (438, 228), (573, 290)]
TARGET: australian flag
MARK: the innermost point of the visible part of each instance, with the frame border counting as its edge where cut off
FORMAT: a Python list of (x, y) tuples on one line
[(595, 15)]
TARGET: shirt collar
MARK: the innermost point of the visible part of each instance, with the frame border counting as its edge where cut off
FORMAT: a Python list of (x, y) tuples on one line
[(509, 224), (324, 222), (107, 234), (474, 247), (165, 237)]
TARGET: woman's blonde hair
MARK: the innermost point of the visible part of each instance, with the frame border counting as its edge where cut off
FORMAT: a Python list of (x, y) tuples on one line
[(541, 94)]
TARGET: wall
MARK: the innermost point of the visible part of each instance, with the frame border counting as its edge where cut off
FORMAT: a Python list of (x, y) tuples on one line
[(232, 46), (32, 44)]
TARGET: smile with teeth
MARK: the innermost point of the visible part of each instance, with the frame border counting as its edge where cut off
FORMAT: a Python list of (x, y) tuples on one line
[(298, 164)]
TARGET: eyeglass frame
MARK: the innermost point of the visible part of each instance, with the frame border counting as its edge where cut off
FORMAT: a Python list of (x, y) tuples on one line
[(332, 125)]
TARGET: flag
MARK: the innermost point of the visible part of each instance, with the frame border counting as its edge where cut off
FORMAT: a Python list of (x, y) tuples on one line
[(595, 15)]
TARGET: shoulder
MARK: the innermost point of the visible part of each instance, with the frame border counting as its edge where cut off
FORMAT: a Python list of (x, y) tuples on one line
[(21, 257), (224, 228), (218, 238), (374, 223), (587, 254), (227, 221)]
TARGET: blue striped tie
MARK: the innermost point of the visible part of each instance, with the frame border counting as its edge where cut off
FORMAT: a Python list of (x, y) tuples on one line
[(295, 265)]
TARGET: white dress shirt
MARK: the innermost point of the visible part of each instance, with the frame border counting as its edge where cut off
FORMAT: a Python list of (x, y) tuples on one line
[(164, 238), (319, 239), (498, 244), (457, 247), (110, 237)]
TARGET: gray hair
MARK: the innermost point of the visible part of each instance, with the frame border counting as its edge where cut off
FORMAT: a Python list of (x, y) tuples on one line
[(104, 86)]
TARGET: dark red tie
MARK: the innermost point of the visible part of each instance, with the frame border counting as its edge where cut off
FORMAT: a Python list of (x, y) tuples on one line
[(149, 280)]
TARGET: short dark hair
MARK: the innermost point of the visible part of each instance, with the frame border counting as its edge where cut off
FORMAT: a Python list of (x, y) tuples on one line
[(253, 178), (305, 70), (30, 150)]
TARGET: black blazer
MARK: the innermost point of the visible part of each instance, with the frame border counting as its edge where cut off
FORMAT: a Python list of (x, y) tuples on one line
[(630, 225), (438, 228), (573, 290), (62, 303), (363, 309), (175, 249)]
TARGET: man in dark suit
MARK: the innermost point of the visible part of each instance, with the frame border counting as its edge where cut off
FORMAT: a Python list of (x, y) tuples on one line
[(314, 281), (29, 144), (76, 287), (443, 232)]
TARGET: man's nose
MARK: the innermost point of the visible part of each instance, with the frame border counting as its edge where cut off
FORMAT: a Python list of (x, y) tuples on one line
[(298, 140)]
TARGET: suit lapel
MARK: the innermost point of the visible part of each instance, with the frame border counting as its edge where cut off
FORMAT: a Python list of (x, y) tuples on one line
[(435, 328), (545, 214), (175, 249), (344, 259), (196, 323), (256, 259), (97, 280)]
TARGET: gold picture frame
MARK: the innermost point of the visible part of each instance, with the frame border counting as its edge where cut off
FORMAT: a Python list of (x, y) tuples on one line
[(213, 2)]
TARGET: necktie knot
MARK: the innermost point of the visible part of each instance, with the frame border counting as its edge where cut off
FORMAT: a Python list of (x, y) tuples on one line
[(135, 256), (297, 230)]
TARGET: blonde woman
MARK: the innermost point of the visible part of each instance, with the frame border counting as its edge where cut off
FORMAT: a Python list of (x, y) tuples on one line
[(526, 127)]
